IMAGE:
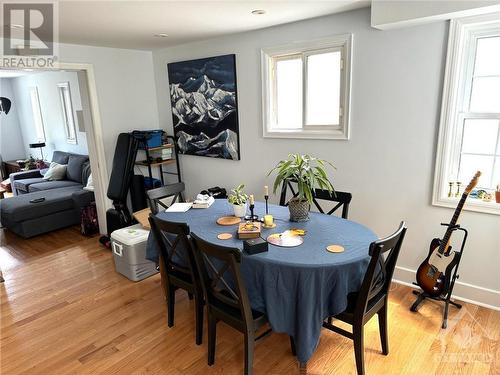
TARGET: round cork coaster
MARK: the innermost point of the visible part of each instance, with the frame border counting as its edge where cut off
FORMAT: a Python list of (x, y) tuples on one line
[(228, 220), (335, 248), (224, 236)]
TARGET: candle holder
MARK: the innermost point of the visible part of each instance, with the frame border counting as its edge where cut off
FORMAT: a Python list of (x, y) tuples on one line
[(266, 197), (450, 192), (252, 216), (458, 189)]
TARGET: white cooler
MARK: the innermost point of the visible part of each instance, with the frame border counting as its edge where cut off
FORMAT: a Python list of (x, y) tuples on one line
[(129, 252)]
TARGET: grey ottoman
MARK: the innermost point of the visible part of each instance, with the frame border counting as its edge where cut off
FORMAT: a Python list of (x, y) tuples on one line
[(60, 209)]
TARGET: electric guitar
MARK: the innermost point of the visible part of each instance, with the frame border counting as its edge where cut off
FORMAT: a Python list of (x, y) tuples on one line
[(433, 275)]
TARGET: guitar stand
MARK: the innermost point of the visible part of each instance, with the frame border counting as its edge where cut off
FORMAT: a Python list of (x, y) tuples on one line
[(446, 298)]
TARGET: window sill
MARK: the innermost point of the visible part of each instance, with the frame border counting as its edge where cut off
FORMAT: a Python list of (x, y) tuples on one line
[(472, 204), (307, 134)]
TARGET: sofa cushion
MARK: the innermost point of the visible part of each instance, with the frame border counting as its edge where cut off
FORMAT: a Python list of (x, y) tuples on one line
[(56, 172), (60, 157), (49, 185), (24, 184), (19, 208), (75, 166)]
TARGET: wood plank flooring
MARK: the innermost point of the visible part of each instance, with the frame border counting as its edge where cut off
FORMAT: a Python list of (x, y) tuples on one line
[(64, 310)]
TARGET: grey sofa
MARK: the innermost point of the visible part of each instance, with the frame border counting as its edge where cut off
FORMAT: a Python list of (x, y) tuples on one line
[(62, 202), (32, 181)]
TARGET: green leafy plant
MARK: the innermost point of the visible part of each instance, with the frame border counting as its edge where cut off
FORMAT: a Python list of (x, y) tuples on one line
[(307, 171), (238, 196)]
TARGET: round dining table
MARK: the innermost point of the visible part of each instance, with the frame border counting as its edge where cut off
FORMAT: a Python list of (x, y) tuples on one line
[(296, 287)]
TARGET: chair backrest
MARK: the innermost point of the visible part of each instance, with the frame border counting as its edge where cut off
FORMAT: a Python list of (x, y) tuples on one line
[(219, 269), (155, 196), (384, 255), (343, 199), (174, 245)]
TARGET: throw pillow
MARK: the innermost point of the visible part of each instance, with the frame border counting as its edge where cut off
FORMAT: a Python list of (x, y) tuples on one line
[(90, 184), (56, 172), (75, 165)]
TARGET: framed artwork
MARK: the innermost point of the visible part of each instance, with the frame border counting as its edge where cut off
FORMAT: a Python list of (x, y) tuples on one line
[(205, 106)]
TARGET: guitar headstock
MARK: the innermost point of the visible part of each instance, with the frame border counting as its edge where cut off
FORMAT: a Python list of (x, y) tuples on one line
[(473, 182)]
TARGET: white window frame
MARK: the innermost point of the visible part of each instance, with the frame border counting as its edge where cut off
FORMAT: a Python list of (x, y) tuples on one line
[(460, 61), (36, 110), (67, 111), (342, 43)]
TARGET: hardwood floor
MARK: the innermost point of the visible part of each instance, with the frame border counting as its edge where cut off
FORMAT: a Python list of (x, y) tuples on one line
[(64, 310)]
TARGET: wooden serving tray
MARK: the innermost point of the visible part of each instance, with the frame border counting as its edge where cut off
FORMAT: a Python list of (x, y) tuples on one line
[(228, 220)]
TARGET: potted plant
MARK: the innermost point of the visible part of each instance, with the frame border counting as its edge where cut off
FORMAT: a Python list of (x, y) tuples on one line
[(309, 173), (497, 194), (238, 198)]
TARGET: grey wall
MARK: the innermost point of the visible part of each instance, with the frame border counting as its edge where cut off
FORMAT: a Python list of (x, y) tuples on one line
[(11, 141), (125, 89), (387, 164), (50, 104)]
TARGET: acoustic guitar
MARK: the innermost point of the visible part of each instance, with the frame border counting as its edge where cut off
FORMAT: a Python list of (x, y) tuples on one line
[(434, 274)]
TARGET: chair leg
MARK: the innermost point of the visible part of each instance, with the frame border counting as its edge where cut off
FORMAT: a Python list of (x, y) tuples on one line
[(292, 346), (249, 346), (212, 333), (199, 319), (382, 324), (170, 305), (359, 348)]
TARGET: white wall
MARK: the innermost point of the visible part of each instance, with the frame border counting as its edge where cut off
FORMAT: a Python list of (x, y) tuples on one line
[(50, 104), (11, 141), (399, 13), (387, 164), (125, 89)]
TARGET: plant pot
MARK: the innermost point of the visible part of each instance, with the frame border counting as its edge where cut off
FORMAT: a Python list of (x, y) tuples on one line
[(299, 210), (497, 196), (240, 210)]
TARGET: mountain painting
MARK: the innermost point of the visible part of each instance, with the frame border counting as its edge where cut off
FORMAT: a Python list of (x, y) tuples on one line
[(205, 107)]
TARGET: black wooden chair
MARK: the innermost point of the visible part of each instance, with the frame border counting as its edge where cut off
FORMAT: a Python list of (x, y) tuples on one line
[(372, 297), (226, 296), (155, 196), (343, 199), (178, 268)]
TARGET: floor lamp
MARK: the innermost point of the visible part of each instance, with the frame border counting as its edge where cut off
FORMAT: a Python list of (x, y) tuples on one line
[(39, 145)]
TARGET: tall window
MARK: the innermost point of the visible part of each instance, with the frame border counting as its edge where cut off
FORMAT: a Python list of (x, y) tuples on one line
[(306, 89), (67, 112), (470, 124), (37, 115)]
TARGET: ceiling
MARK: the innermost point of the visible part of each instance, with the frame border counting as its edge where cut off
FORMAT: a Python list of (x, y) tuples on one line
[(132, 24), (13, 73)]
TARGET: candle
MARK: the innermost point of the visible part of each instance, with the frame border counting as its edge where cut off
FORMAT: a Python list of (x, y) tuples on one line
[(266, 191), (268, 220), (252, 201)]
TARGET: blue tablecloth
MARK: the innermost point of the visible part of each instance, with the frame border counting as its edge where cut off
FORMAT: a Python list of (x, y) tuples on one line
[(296, 287)]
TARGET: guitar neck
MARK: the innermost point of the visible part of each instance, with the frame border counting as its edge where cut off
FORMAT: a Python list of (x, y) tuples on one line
[(446, 239)]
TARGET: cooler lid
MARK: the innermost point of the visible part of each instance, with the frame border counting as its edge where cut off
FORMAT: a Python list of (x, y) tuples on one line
[(130, 235)]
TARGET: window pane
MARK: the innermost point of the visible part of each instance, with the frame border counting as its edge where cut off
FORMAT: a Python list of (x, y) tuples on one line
[(289, 93), (323, 88), (37, 115), (470, 164), (496, 173), (487, 57), (480, 136), (485, 94)]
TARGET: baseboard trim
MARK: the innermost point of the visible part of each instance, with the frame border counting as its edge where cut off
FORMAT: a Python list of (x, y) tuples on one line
[(469, 293)]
